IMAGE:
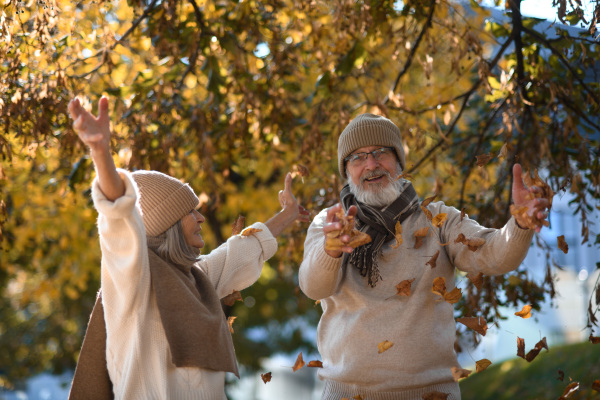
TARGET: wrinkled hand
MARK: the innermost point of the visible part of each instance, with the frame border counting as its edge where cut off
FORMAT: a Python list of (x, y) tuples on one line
[(93, 131), (332, 223), (289, 204), (537, 207)]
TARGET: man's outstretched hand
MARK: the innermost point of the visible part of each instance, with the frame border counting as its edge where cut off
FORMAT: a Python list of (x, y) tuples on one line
[(531, 202)]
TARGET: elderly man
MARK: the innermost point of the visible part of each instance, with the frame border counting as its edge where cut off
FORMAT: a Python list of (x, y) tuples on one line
[(357, 286)]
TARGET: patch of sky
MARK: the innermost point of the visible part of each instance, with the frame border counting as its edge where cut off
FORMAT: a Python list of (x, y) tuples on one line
[(262, 50)]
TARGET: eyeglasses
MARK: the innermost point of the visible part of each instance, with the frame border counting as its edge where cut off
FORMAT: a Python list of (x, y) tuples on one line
[(377, 154)]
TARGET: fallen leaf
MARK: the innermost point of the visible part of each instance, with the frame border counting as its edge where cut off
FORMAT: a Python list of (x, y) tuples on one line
[(561, 375), (230, 299), (435, 395), (419, 235), (562, 244), (525, 312), (238, 225), (482, 365), (250, 231), (596, 385), (478, 324), (476, 279), (357, 238), (299, 363), (483, 159), (536, 350), (594, 339), (403, 288), (569, 390), (459, 373), (433, 259), (230, 323), (384, 346), (266, 377), (398, 236), (520, 347), (439, 220), (315, 364), (473, 244)]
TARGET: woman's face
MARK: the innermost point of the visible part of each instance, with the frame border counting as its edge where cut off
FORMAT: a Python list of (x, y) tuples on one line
[(192, 229)]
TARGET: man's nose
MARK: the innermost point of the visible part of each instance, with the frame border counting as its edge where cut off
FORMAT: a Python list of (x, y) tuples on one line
[(371, 162)]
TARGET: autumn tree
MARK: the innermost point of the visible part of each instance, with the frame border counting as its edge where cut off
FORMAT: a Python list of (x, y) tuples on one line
[(230, 95)]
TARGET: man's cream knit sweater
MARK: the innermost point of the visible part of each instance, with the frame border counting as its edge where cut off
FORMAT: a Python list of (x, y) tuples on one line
[(356, 317), (137, 354)]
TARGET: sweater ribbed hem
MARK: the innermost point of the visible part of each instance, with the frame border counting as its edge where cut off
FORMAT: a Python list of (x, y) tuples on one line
[(336, 391)]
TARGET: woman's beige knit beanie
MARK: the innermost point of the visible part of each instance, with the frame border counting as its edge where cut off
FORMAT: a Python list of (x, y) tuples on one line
[(164, 200), (369, 130)]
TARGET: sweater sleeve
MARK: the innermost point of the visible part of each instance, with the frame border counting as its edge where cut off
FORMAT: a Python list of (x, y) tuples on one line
[(319, 273), (503, 251), (237, 263), (125, 271)]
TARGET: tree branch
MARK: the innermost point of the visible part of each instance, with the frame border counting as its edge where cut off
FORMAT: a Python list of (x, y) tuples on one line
[(515, 7)]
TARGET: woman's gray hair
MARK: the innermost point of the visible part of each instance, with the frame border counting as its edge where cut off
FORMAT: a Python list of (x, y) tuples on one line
[(172, 247)]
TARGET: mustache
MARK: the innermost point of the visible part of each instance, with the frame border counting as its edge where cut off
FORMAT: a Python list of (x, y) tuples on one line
[(375, 173)]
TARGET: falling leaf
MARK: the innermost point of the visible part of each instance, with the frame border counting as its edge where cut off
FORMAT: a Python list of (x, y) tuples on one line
[(404, 175), (520, 347), (476, 279), (299, 363), (569, 390), (384, 346), (478, 324), (424, 205), (238, 225), (432, 261), (594, 339), (503, 151), (561, 375), (250, 231), (398, 236), (266, 377), (439, 220), (562, 244), (459, 373), (315, 364), (453, 296), (525, 312), (435, 395), (317, 302), (439, 287), (230, 323), (596, 385), (419, 235), (532, 354), (403, 288), (357, 238), (473, 244), (230, 299), (302, 170), (483, 159), (482, 365)]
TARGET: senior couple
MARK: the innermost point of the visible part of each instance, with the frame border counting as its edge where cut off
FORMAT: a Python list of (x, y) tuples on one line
[(158, 331)]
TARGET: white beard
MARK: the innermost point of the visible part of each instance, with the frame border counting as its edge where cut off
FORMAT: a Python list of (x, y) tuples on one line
[(377, 196)]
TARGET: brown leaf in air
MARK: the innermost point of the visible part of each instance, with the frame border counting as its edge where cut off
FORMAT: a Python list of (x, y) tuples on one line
[(299, 363), (476, 279), (250, 231), (483, 159), (238, 225), (266, 377), (435, 395), (473, 244), (403, 288), (315, 364), (230, 299), (596, 385), (439, 287), (520, 347), (357, 238), (503, 151), (482, 365), (562, 244), (536, 350), (439, 220), (561, 375), (453, 296), (384, 346), (302, 170), (424, 205), (569, 390), (398, 235), (525, 312), (459, 373), (594, 339), (230, 323), (432, 261), (419, 235), (478, 324)]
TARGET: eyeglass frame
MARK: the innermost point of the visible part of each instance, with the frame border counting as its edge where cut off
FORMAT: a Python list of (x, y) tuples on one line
[(381, 151)]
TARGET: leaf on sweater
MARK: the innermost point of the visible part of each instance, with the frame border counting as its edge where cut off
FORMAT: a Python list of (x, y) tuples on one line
[(459, 373), (398, 236), (478, 324), (562, 244), (439, 220), (594, 339), (238, 225), (357, 238), (315, 364), (569, 390), (250, 231), (230, 299), (520, 347), (462, 214), (299, 363), (403, 288), (432, 261), (482, 365), (525, 312), (266, 377), (230, 323), (520, 212), (384, 346), (536, 350), (596, 385), (419, 235), (435, 395), (483, 159), (424, 205), (476, 279), (473, 244), (439, 287)]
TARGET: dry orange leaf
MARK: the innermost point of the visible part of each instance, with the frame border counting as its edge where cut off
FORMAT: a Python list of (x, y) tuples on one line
[(439, 220), (473, 244), (453, 296), (520, 347), (315, 364), (459, 373), (424, 205), (478, 324), (384, 346), (596, 385), (357, 238), (403, 288), (594, 339), (462, 214), (250, 231), (476, 279), (520, 213), (230, 323), (419, 235), (569, 390), (266, 377), (238, 225), (432, 261), (482, 365), (562, 244), (435, 395), (398, 235), (230, 299), (525, 312), (299, 363), (439, 287)]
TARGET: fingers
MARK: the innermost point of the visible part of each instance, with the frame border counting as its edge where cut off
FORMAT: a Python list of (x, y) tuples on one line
[(103, 109), (332, 211), (518, 177), (352, 211)]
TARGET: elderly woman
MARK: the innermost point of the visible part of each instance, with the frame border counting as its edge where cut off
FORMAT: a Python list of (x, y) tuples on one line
[(158, 330)]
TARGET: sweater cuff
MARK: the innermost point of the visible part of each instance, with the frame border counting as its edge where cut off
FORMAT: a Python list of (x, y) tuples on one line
[(266, 239), (517, 233), (121, 207), (325, 261)]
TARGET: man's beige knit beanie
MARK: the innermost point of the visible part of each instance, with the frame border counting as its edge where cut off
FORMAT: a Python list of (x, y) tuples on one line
[(164, 200), (369, 130)]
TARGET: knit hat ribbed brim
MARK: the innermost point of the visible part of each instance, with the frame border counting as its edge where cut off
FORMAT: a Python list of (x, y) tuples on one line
[(164, 200), (369, 130)]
